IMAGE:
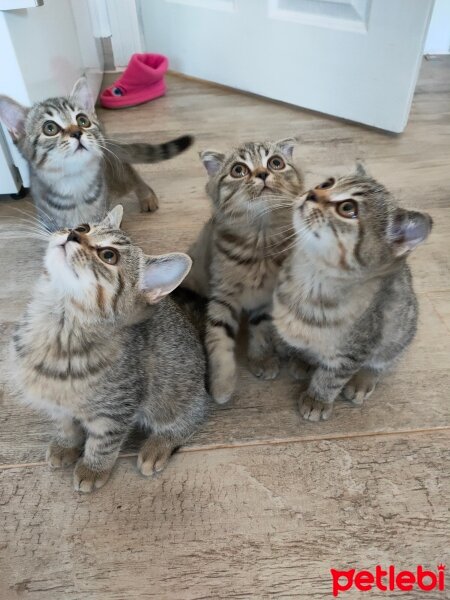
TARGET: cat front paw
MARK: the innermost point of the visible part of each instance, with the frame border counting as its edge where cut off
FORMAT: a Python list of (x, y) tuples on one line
[(312, 409), (264, 367), (149, 203), (87, 480), (360, 387), (59, 456), (222, 390), (222, 377), (154, 456)]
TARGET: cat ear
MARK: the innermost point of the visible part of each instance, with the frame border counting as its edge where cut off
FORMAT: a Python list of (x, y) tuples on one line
[(361, 169), (82, 94), (13, 115), (114, 218), (162, 274), (212, 160), (287, 146), (409, 229)]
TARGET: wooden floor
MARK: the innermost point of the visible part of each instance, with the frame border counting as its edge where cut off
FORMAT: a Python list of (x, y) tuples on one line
[(261, 504)]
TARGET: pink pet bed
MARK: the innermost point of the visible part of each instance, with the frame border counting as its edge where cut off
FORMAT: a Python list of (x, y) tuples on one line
[(142, 80)]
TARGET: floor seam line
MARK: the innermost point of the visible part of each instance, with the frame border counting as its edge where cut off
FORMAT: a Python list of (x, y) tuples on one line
[(331, 438)]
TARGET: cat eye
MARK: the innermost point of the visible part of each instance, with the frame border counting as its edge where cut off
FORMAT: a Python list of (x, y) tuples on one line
[(327, 184), (50, 128), (83, 121), (108, 255), (276, 163), (347, 209), (83, 228), (239, 170)]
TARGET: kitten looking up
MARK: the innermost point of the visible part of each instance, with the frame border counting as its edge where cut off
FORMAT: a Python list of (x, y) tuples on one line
[(344, 300), (239, 252), (101, 348), (74, 168)]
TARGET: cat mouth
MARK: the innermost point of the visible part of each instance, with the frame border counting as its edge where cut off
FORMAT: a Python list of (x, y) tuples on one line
[(265, 188), (80, 147)]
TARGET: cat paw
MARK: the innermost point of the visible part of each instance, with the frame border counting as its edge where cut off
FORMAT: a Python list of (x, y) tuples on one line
[(149, 203), (86, 480), (222, 383), (266, 367), (59, 456), (314, 410), (298, 369), (360, 387), (222, 391), (154, 456)]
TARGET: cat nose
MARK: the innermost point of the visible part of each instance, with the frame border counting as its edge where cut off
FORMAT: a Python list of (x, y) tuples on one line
[(262, 175), (74, 237), (76, 134), (311, 196)]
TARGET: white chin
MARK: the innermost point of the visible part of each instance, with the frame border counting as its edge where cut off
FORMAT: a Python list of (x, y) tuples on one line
[(82, 153), (60, 271)]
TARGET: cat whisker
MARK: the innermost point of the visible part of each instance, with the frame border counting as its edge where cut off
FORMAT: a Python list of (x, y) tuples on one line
[(26, 223), (37, 219), (32, 220), (283, 250), (20, 232), (116, 163), (29, 225), (278, 242)]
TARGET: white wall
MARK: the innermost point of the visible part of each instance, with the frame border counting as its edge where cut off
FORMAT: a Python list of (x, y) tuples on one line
[(47, 47), (438, 39)]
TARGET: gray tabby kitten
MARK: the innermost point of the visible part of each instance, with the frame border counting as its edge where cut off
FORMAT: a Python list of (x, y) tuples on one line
[(74, 168), (344, 299), (100, 348), (239, 252)]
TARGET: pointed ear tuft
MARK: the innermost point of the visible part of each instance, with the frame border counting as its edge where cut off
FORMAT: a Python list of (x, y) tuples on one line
[(287, 146), (13, 115), (114, 218), (361, 169), (212, 161), (162, 274), (409, 229), (82, 95)]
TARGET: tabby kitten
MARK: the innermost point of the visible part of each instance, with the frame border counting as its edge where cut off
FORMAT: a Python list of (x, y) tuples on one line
[(344, 298), (101, 348), (239, 252), (74, 168)]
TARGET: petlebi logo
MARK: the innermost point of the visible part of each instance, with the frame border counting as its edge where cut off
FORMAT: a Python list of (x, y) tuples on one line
[(388, 580)]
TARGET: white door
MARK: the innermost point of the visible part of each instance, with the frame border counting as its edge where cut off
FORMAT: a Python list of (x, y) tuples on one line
[(356, 59)]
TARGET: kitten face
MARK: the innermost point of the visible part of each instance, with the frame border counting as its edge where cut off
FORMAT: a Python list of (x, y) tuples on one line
[(96, 265), (60, 132), (354, 225), (252, 176), (104, 274)]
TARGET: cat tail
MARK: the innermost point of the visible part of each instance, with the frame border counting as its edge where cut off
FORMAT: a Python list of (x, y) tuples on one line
[(194, 306), (149, 153)]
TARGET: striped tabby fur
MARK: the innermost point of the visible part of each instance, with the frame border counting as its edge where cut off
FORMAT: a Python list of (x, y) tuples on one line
[(344, 302), (100, 348), (239, 252), (74, 168)]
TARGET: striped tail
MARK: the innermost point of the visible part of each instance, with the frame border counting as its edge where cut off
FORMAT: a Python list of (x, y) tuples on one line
[(149, 153)]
